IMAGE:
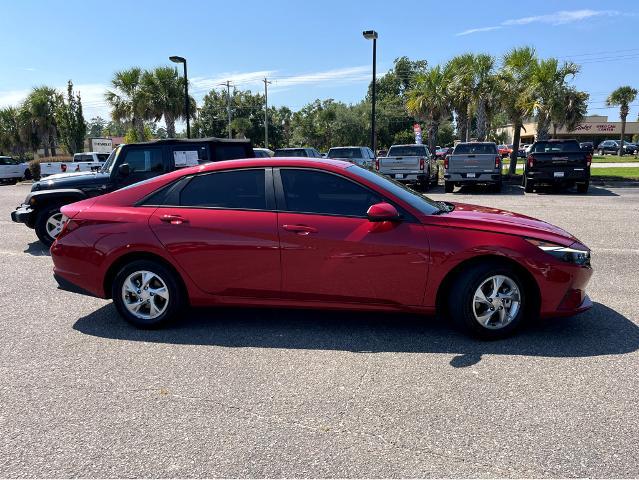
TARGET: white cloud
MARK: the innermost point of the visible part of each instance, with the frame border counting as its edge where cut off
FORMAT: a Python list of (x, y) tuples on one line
[(562, 17), (240, 79), (339, 75), (476, 30)]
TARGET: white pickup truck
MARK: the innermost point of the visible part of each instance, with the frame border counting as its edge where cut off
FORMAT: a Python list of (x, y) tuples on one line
[(409, 164), (82, 162), (12, 170)]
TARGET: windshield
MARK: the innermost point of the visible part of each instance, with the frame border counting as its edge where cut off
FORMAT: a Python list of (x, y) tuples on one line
[(550, 147), (421, 203), (291, 152), (345, 153), (407, 151), (108, 165), (475, 148)]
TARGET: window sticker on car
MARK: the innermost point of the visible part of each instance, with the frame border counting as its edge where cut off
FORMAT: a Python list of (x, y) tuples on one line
[(185, 158)]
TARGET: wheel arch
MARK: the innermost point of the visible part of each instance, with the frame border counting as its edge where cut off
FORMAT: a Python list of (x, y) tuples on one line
[(455, 272), (121, 261)]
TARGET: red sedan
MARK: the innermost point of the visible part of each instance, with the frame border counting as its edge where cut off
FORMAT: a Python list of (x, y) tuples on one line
[(314, 234)]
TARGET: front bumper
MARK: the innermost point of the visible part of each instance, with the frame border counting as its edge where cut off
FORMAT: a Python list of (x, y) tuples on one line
[(24, 214), (66, 285)]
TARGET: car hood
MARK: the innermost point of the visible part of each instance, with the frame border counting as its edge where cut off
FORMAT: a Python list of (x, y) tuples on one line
[(71, 180), (476, 217)]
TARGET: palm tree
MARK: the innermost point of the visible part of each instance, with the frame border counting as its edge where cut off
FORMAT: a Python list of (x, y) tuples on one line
[(569, 109), (39, 107), (514, 82), (622, 97), (548, 82), (485, 92), (460, 90), (128, 100), (164, 90), (428, 100)]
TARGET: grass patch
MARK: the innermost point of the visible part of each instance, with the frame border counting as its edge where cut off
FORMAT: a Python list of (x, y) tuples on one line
[(614, 159), (615, 173)]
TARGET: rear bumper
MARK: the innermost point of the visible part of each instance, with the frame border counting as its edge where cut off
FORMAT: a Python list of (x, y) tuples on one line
[(480, 177), (24, 214), (407, 177), (571, 175)]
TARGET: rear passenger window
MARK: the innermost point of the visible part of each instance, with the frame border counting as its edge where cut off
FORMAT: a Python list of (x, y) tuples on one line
[(230, 152), (242, 189)]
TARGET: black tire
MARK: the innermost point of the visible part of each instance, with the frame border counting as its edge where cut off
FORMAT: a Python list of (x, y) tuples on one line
[(498, 186), (583, 187), (41, 224), (461, 300), (425, 184), (529, 186), (176, 295), (449, 187), (27, 174)]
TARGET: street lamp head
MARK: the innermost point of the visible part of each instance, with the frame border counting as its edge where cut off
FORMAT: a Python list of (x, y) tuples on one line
[(176, 59), (370, 34)]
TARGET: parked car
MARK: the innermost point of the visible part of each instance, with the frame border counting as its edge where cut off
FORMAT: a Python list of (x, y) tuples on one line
[(81, 162), (382, 153), (504, 150), (613, 147), (587, 146), (264, 224), (441, 152), (297, 152), (127, 164), (362, 156), (12, 170), (473, 163), (557, 162), (409, 164), (263, 152)]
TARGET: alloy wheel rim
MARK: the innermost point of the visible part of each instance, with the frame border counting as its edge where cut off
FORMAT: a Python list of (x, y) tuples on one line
[(54, 225), (145, 295), (496, 302)]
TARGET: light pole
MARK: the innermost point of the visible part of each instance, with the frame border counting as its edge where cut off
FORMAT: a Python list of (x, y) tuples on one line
[(372, 35), (176, 59)]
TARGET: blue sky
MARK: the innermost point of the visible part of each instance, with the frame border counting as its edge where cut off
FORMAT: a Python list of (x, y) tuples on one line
[(308, 49)]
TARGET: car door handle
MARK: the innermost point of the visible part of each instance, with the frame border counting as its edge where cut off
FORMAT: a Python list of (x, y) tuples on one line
[(300, 229), (173, 219)]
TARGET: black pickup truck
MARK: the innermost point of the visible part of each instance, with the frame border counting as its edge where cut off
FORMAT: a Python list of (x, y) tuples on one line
[(127, 164), (557, 162)]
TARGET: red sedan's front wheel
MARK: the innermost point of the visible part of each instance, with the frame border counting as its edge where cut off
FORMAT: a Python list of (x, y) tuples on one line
[(488, 300)]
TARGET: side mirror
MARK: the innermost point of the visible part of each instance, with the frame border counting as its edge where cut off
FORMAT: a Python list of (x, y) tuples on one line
[(383, 212), (124, 170)]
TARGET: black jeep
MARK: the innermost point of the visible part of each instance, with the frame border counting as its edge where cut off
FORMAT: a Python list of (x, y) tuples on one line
[(127, 164)]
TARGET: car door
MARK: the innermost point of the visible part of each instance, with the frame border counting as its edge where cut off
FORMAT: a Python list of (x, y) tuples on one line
[(144, 162), (221, 228), (331, 252)]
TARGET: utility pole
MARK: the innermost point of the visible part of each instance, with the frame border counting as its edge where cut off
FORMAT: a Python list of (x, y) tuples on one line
[(228, 104), (266, 84)]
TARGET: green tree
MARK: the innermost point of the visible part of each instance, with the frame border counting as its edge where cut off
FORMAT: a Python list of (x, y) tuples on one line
[(548, 83), (514, 83), (164, 90), (428, 100), (70, 121), (570, 108), (39, 108), (128, 100), (95, 126), (622, 98), (459, 73)]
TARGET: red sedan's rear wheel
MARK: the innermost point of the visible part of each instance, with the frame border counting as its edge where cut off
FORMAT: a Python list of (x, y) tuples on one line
[(488, 300), (146, 294)]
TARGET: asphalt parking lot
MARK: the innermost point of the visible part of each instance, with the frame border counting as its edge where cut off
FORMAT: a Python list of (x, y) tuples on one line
[(276, 393)]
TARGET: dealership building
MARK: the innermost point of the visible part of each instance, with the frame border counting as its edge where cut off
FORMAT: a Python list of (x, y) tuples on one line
[(594, 128)]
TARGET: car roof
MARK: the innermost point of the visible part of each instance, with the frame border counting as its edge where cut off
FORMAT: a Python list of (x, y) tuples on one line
[(170, 141), (348, 146), (408, 145)]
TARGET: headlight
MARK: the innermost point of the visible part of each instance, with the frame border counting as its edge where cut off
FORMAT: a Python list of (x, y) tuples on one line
[(576, 253)]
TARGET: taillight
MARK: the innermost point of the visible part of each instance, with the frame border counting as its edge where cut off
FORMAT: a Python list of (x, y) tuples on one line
[(531, 161), (377, 164), (588, 159), (421, 164), (446, 162), (497, 162)]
